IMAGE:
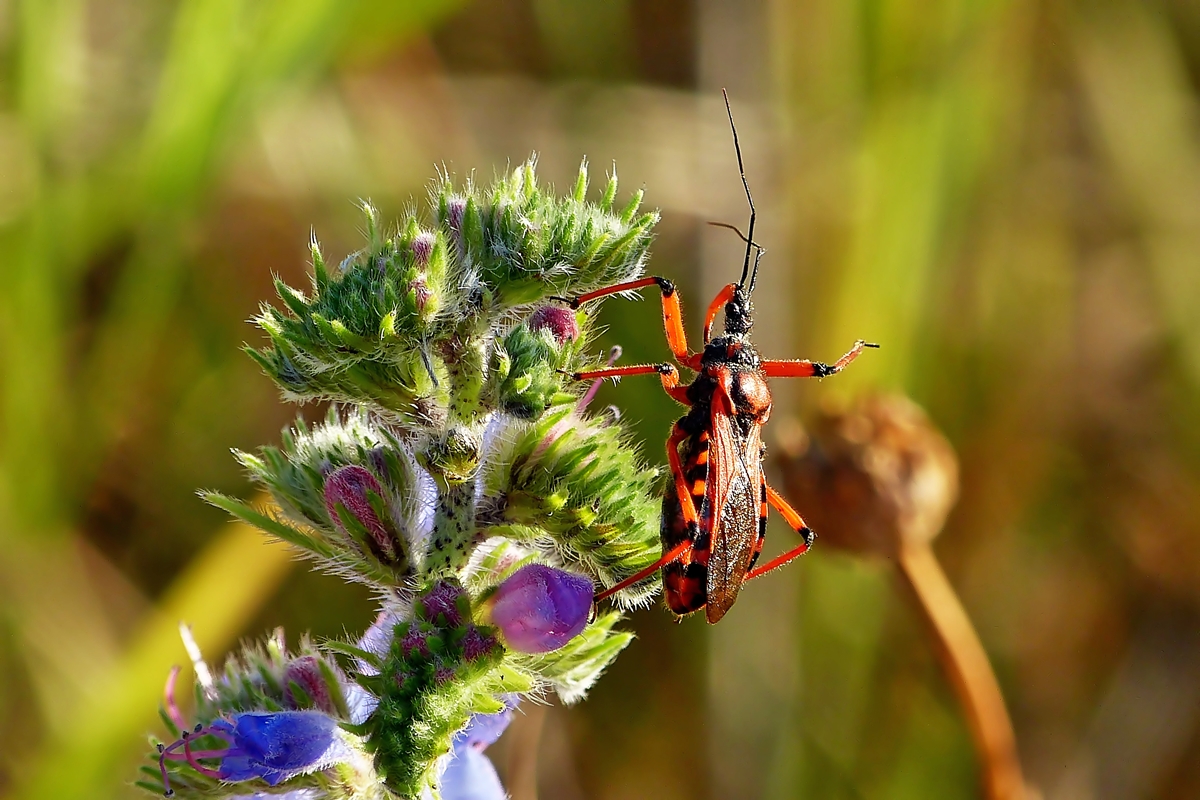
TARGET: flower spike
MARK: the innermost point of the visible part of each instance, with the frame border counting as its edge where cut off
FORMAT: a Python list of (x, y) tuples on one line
[(459, 476)]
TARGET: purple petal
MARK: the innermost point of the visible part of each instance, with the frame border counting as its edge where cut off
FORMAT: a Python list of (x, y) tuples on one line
[(540, 608), (471, 776), (362, 704), (378, 638)]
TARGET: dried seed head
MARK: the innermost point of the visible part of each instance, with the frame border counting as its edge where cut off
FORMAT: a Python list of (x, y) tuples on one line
[(874, 477)]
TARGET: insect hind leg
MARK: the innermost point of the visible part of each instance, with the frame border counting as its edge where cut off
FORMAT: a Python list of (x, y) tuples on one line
[(797, 524), (641, 575), (683, 493)]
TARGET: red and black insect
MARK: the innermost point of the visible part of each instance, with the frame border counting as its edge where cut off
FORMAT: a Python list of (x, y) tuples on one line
[(715, 515)]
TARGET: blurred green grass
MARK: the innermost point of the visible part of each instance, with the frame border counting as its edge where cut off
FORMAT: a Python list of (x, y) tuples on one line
[(1003, 193)]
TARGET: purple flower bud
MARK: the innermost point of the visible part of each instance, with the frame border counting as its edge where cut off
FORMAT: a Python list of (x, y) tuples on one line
[(414, 641), (305, 672), (348, 487), (441, 599), (272, 746), (477, 644), (559, 321), (421, 292), (456, 208), (443, 675), (540, 608), (422, 247)]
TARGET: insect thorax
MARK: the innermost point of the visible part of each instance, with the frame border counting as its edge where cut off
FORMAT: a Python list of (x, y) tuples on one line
[(734, 351), (749, 393)]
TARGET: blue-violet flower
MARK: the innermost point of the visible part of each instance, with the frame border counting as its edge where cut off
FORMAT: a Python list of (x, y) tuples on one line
[(272, 746), (470, 774)]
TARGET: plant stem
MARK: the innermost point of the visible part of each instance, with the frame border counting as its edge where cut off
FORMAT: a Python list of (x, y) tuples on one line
[(453, 529), (966, 665)]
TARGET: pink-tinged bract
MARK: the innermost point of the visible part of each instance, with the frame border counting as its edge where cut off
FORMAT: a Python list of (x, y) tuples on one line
[(348, 487), (305, 672)]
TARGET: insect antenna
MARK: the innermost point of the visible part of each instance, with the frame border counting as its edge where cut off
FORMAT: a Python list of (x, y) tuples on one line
[(758, 248), (739, 233), (754, 274), (749, 237)]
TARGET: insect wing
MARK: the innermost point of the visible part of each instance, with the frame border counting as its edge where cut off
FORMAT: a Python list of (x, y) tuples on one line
[(734, 489)]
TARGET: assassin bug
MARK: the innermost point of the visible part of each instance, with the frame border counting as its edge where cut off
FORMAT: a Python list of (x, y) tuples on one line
[(715, 513)]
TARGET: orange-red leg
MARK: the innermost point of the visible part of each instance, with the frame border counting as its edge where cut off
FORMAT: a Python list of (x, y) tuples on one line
[(681, 487), (802, 368), (672, 311), (723, 297), (641, 575), (689, 515), (798, 525), (666, 372)]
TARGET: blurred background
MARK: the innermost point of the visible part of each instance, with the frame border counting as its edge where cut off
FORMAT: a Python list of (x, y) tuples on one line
[(1004, 193)]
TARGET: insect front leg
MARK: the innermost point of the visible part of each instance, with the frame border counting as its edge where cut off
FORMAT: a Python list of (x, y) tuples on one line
[(797, 523), (667, 373), (672, 312), (803, 368), (714, 308)]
